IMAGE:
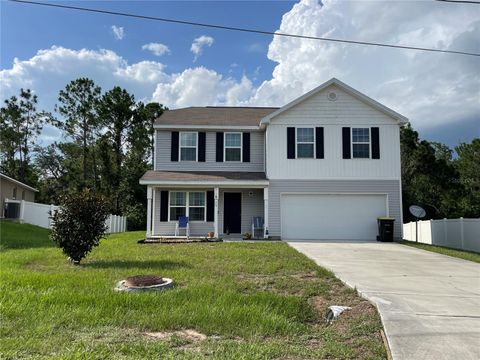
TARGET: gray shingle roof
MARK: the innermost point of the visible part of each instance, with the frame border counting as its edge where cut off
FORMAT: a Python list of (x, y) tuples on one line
[(219, 176), (213, 115)]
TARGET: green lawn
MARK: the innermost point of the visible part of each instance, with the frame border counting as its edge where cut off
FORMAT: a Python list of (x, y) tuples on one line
[(251, 301), (466, 255)]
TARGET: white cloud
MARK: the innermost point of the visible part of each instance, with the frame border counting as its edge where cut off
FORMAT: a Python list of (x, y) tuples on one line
[(199, 43), (157, 48), (118, 32), (429, 88)]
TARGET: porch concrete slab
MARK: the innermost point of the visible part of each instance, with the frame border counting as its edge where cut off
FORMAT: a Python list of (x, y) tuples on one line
[(429, 303)]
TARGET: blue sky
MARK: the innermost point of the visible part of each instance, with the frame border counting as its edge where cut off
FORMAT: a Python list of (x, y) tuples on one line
[(44, 48)]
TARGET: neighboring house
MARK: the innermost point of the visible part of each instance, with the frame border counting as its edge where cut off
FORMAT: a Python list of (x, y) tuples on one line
[(12, 189), (324, 166)]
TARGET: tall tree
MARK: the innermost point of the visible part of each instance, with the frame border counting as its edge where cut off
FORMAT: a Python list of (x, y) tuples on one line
[(142, 134), (20, 125), (468, 165), (428, 177), (78, 105), (115, 110)]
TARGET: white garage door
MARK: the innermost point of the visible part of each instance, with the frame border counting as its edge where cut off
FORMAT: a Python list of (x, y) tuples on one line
[(331, 216)]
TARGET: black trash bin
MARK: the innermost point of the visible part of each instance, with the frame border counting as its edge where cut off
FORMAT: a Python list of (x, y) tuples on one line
[(385, 229), (12, 210)]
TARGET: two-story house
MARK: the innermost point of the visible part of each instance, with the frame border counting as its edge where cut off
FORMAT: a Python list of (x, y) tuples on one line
[(324, 166)]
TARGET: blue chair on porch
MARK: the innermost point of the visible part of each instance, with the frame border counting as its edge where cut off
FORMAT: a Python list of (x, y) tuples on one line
[(182, 224)]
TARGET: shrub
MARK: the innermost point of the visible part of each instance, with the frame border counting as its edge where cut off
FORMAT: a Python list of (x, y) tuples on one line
[(79, 224)]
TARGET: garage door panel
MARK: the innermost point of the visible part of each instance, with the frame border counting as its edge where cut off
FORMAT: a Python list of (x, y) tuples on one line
[(331, 216)]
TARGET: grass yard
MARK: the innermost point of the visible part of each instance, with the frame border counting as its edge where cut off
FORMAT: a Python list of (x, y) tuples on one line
[(232, 301), (466, 255)]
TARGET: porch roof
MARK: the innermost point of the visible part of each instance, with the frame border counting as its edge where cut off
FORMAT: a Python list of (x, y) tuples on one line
[(210, 178)]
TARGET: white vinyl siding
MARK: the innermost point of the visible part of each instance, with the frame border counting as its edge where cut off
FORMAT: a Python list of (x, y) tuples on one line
[(346, 111), (188, 146)]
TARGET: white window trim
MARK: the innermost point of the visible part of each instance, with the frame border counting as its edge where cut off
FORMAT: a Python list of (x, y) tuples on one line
[(356, 142), (187, 206), (187, 147), (303, 142), (232, 147)]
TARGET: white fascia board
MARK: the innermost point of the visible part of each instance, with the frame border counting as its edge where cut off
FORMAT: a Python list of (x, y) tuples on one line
[(220, 184), (208, 127), (19, 183), (402, 120)]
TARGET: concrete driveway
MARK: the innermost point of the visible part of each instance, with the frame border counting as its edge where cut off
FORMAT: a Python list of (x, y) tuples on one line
[(429, 303)]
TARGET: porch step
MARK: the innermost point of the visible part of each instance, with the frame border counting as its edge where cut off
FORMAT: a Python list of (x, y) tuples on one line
[(177, 239)]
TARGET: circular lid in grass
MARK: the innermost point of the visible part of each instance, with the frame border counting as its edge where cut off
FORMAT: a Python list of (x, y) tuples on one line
[(143, 280)]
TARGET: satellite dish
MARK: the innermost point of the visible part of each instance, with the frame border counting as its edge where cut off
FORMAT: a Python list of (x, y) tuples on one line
[(417, 211)]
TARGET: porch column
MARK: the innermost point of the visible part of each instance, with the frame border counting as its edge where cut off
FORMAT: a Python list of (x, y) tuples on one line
[(154, 196), (215, 212), (149, 211), (265, 216)]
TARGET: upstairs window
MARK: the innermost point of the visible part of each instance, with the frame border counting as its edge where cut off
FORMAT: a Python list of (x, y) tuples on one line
[(233, 146), (305, 143), (361, 143), (188, 146)]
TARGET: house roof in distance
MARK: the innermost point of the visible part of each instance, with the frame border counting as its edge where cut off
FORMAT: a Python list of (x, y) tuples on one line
[(19, 183), (214, 116)]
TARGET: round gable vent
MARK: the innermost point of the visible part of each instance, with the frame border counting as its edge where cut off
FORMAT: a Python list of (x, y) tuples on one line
[(332, 96)]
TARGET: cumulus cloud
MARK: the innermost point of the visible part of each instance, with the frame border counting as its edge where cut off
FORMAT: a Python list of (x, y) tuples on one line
[(429, 88), (433, 90), (157, 48), (199, 43), (118, 32)]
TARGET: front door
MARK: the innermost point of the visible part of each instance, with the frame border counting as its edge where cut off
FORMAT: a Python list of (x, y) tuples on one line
[(232, 213)]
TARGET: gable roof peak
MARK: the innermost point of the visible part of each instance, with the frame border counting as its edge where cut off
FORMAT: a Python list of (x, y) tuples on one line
[(348, 89)]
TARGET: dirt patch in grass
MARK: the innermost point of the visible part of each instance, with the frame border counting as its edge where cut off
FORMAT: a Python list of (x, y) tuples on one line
[(189, 335)]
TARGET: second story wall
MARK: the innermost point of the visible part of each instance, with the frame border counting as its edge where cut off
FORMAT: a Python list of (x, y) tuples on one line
[(163, 150), (345, 112)]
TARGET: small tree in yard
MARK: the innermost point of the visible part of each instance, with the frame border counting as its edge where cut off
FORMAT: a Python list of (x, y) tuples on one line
[(80, 223)]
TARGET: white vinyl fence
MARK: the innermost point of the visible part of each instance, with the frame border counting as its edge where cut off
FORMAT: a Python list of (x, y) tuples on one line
[(39, 214), (463, 234)]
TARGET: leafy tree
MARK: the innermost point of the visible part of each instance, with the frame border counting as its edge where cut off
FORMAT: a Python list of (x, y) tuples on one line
[(115, 110), (78, 104), (20, 125), (80, 224), (468, 165), (428, 177)]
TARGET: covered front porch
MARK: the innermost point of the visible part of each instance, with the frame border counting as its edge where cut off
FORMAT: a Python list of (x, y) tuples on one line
[(223, 203)]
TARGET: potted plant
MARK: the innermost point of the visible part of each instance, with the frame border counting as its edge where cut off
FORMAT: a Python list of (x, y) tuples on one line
[(211, 234), (247, 236)]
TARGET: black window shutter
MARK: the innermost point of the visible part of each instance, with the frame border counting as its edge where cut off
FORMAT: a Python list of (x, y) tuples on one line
[(174, 152), (319, 152), (163, 205), (346, 142), (210, 206), (219, 146), (375, 143), (201, 146), (290, 143), (246, 147)]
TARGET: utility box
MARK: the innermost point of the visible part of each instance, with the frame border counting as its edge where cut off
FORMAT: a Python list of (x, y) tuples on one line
[(385, 229)]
